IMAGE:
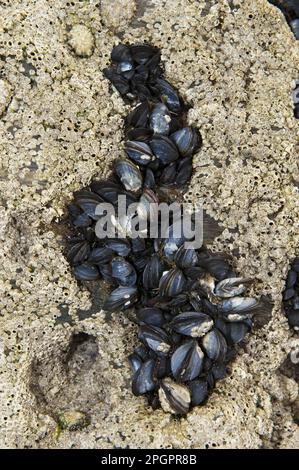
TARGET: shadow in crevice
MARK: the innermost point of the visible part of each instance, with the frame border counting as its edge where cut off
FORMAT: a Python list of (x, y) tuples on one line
[(60, 373)]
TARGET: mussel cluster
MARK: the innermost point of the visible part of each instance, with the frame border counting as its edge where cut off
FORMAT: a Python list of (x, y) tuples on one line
[(291, 295), (189, 303)]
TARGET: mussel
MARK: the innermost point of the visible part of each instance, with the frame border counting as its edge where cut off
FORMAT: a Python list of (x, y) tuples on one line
[(129, 174)]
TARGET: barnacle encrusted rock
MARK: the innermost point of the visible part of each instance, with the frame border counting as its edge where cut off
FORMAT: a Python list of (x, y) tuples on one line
[(66, 130), (81, 40), (117, 14), (5, 95)]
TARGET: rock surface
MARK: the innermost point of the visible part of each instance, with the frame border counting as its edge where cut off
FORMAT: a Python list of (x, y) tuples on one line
[(236, 63)]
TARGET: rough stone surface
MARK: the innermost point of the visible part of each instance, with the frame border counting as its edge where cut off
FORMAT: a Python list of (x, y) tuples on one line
[(236, 63), (5, 95), (116, 15)]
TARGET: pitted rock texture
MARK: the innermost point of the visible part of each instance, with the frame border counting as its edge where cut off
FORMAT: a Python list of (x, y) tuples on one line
[(61, 126)]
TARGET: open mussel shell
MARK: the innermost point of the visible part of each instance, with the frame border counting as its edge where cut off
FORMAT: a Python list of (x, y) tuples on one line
[(194, 324), (187, 361), (121, 298), (129, 174), (155, 338), (143, 380), (174, 398), (187, 140), (139, 152), (164, 149)]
